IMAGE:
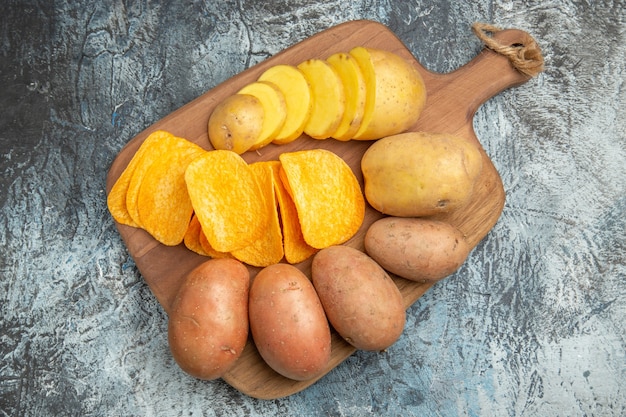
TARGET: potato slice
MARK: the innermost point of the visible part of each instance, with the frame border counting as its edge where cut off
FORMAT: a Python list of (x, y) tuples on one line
[(355, 91), (268, 249), (226, 197), (295, 88), (163, 204), (326, 194), (328, 98), (396, 93), (274, 108), (116, 200), (236, 123)]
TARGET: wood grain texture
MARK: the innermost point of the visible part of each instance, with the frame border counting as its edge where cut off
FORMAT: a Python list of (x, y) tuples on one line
[(452, 102)]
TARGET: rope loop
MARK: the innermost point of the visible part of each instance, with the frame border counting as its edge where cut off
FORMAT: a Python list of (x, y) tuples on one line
[(525, 56)]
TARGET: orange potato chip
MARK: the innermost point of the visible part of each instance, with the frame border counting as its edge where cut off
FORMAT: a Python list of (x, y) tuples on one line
[(208, 249), (268, 249), (161, 144), (163, 204), (192, 237), (327, 196), (226, 197), (295, 248), (116, 200)]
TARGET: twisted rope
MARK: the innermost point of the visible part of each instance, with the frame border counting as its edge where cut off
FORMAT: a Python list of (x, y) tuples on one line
[(524, 56)]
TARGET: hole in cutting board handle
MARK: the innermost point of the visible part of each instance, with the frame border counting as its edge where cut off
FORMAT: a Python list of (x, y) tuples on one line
[(518, 46)]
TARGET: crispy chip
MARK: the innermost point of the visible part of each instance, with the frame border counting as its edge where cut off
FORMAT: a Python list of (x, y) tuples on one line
[(163, 205), (226, 197), (268, 249), (192, 237), (116, 200), (295, 248), (326, 194), (161, 144), (208, 249)]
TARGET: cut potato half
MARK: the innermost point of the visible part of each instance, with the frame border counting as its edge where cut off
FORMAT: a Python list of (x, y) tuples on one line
[(396, 93), (236, 123)]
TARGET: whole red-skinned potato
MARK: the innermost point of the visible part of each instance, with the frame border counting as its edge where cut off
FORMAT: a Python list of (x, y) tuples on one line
[(288, 323), (361, 301), (416, 249), (208, 321)]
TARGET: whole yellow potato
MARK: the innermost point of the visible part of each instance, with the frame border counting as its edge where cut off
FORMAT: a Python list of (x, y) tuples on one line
[(208, 321), (361, 301), (420, 174), (395, 93), (416, 249), (236, 123)]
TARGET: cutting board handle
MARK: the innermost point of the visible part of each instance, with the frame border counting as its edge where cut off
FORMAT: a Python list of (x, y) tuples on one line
[(511, 57), (518, 46)]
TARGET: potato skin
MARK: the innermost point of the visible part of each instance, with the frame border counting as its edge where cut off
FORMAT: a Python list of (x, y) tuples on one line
[(288, 323), (416, 249), (361, 301), (235, 123), (208, 321), (419, 174), (399, 93)]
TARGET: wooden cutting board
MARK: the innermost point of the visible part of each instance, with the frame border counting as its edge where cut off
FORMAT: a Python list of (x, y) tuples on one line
[(453, 99)]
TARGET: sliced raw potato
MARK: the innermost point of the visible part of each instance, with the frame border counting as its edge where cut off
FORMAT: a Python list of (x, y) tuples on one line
[(226, 197), (396, 93), (274, 109), (328, 98), (236, 123), (268, 249), (326, 194), (116, 200), (295, 88), (355, 92), (163, 204)]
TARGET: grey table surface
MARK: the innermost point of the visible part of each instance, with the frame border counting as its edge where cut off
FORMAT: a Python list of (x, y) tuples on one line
[(533, 324)]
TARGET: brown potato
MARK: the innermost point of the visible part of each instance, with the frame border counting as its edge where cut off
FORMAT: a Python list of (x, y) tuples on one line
[(416, 249), (361, 301), (208, 322), (288, 323)]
